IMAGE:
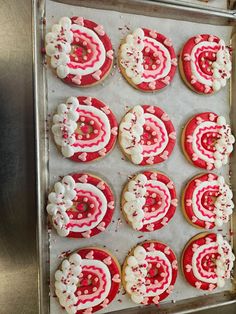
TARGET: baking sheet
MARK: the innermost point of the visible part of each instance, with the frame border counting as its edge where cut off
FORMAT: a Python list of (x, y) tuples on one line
[(177, 100)]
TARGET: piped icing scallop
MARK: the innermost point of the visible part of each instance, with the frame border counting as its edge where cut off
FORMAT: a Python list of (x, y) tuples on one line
[(207, 140), (149, 201), (81, 205), (205, 63), (149, 272), (207, 261), (84, 128), (80, 51), (147, 60), (147, 135), (87, 281), (207, 201)]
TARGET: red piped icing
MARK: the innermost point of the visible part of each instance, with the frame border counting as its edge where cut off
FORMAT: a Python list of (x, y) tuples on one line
[(88, 278), (204, 62), (156, 139), (158, 60), (156, 269), (155, 197), (97, 126), (208, 260)]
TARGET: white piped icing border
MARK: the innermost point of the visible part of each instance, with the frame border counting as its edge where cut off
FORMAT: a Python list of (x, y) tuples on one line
[(135, 279), (132, 57), (224, 264), (65, 125), (224, 145), (66, 282), (131, 130), (223, 204), (135, 200), (222, 67), (59, 202), (59, 46)]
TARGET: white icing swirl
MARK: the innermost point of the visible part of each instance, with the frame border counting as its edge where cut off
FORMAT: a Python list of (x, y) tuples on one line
[(224, 263), (59, 202), (223, 145), (131, 130), (223, 203)]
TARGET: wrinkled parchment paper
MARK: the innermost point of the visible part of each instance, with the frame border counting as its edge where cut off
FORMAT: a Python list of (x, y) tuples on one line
[(177, 100)]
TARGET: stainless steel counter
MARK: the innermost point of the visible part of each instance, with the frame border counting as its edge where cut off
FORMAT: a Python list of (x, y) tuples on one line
[(18, 258)]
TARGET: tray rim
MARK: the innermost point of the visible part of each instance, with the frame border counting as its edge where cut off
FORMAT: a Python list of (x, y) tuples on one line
[(41, 149)]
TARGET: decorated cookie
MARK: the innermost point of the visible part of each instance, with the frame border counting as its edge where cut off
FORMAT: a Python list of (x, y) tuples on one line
[(207, 201), (147, 60), (87, 281), (80, 51), (207, 260), (147, 135), (149, 201), (81, 206), (149, 272), (84, 128), (205, 64), (207, 141)]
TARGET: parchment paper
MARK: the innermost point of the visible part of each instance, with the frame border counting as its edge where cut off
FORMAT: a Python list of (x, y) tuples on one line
[(177, 100)]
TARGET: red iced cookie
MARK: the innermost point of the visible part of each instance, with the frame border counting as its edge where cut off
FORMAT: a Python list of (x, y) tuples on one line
[(87, 281), (149, 272), (80, 51), (85, 128), (207, 201), (205, 63), (207, 140), (147, 60), (81, 206), (149, 201), (147, 135), (207, 261)]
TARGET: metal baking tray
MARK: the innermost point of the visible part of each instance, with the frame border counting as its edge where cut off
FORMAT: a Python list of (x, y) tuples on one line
[(165, 9)]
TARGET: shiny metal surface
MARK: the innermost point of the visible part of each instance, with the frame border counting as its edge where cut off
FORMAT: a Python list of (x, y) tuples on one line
[(18, 263)]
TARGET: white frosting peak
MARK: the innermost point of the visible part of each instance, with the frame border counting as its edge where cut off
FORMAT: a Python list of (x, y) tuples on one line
[(131, 129), (59, 202)]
